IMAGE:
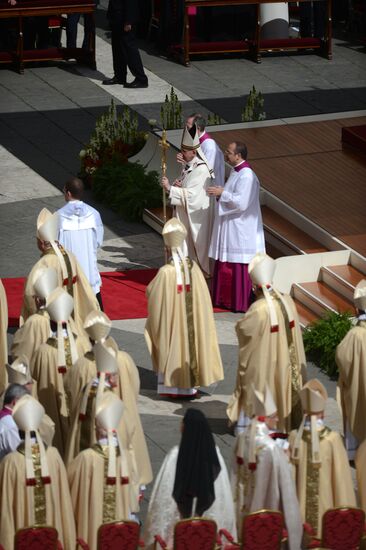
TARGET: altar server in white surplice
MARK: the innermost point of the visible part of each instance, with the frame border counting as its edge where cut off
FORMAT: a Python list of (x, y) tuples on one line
[(81, 231), (238, 231), (193, 207)]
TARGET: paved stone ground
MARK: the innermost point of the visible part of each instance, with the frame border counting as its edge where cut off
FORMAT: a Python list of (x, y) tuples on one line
[(46, 116)]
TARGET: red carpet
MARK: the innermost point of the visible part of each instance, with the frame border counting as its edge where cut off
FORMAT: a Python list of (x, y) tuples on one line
[(123, 294)]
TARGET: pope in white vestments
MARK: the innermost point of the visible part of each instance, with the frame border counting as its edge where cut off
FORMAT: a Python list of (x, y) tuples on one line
[(81, 231), (237, 233), (193, 207)]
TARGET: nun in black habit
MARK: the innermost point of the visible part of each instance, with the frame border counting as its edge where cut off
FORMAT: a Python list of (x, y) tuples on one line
[(192, 481)]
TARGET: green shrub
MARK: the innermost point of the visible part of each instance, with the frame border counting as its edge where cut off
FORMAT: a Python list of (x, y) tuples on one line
[(127, 188), (115, 135), (323, 336), (254, 108)]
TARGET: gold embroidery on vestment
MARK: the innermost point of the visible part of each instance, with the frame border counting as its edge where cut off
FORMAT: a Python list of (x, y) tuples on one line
[(109, 491), (312, 480), (296, 408), (39, 489), (87, 423)]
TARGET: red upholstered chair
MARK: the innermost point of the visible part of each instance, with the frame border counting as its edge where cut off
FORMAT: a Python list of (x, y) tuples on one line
[(118, 535), (262, 530), (192, 534), (37, 538), (342, 529)]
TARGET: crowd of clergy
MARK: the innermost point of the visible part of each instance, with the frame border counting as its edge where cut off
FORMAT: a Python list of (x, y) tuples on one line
[(73, 452)]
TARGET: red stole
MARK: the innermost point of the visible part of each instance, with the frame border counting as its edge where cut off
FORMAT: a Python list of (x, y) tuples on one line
[(204, 137), (244, 164), (5, 412)]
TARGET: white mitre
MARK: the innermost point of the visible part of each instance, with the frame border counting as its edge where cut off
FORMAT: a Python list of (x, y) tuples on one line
[(98, 325), (47, 231), (261, 271), (19, 372), (28, 414), (59, 307), (174, 233), (313, 396)]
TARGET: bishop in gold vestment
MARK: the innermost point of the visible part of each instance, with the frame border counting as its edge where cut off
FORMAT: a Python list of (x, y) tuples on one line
[(70, 275), (323, 475), (100, 491), (271, 350), (351, 362), (180, 330), (33, 483)]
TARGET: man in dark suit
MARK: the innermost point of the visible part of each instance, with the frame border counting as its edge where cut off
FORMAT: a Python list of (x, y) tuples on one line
[(123, 16)]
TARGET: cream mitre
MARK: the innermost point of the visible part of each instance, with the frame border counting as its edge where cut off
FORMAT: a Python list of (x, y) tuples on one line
[(174, 233), (28, 414), (108, 416), (47, 230), (19, 372), (261, 271), (106, 363), (191, 142), (59, 307), (313, 398), (45, 282), (97, 325), (263, 405), (359, 296)]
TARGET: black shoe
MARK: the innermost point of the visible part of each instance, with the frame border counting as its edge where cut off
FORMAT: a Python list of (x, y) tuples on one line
[(114, 80), (137, 84)]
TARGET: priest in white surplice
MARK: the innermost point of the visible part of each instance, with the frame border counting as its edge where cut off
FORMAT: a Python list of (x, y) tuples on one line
[(81, 231), (193, 207), (238, 232)]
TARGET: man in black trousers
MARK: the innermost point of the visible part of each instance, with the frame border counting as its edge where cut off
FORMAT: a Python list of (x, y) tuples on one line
[(123, 16)]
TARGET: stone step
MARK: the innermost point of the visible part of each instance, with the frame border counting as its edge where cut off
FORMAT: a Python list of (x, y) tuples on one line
[(306, 315), (320, 298), (342, 278), (286, 236)]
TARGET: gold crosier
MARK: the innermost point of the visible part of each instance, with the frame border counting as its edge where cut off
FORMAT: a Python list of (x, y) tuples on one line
[(164, 147)]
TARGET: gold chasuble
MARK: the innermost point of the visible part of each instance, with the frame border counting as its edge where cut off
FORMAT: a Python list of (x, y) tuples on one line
[(351, 361), (76, 284), (94, 499), (323, 485), (50, 498), (50, 386), (82, 432), (273, 357), (180, 330)]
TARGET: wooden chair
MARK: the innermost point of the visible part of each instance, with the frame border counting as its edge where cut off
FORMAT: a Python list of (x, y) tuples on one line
[(262, 530), (342, 528), (41, 537), (117, 535), (193, 533)]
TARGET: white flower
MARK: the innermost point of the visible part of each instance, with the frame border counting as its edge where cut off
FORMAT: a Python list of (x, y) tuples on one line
[(82, 153)]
